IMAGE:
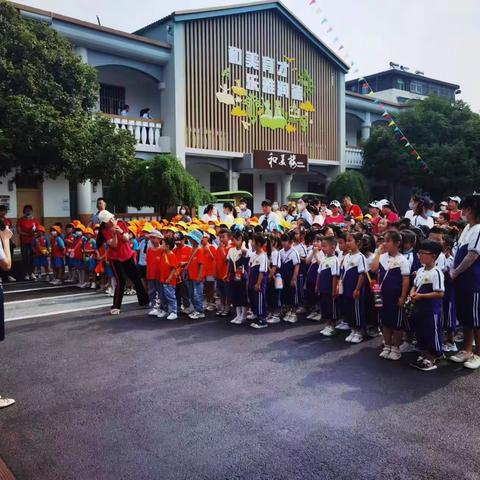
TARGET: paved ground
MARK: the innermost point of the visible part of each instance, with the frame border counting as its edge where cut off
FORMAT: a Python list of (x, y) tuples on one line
[(139, 398)]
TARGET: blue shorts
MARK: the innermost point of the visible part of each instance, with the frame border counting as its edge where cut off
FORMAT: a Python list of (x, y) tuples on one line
[(428, 328), (57, 262), (40, 261), (467, 305)]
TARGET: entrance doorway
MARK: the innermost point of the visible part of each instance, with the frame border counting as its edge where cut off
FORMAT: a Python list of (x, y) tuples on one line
[(271, 191), (29, 192)]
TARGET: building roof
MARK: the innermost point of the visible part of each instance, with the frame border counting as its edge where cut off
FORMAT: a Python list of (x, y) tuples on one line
[(90, 25), (186, 15), (405, 74)]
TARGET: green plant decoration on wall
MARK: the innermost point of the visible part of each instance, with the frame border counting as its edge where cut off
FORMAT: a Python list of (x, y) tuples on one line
[(306, 80), (252, 106)]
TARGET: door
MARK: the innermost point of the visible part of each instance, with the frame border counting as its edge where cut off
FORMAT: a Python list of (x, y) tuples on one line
[(271, 191), (29, 192)]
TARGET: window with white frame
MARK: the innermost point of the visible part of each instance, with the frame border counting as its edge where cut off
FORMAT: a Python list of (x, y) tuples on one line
[(417, 87)]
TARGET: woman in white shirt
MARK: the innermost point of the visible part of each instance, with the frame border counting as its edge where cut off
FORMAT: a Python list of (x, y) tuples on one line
[(421, 217), (209, 214)]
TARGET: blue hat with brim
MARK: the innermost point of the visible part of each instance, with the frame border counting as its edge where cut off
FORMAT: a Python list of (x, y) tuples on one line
[(195, 235)]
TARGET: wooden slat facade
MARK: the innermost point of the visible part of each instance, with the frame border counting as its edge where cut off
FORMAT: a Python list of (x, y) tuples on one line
[(209, 124)]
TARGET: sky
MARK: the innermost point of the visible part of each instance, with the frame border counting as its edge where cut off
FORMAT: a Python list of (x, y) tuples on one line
[(437, 37)]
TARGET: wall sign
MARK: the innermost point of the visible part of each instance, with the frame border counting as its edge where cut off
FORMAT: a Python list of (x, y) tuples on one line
[(265, 94), (271, 160)]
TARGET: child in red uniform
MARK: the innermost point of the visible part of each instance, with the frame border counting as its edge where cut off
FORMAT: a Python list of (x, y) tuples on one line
[(153, 264), (209, 251), (57, 254), (90, 258), (183, 253), (168, 279), (222, 271), (76, 255), (68, 239), (40, 252), (196, 274)]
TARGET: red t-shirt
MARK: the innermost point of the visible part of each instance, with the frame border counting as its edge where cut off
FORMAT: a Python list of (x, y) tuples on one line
[(123, 251), (28, 226), (167, 262), (331, 219), (354, 211), (375, 221), (455, 217), (210, 260), (392, 217), (222, 262), (194, 266), (154, 255)]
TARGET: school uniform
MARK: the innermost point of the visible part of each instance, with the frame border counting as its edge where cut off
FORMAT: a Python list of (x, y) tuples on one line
[(427, 314), (221, 269), (90, 260), (168, 262), (143, 245), (40, 252), (311, 279), (274, 302), (328, 269), (57, 252), (467, 284), (449, 310), (258, 263), (354, 265), (371, 312), (390, 277), (237, 277), (415, 264), (289, 259), (302, 272), (76, 252)]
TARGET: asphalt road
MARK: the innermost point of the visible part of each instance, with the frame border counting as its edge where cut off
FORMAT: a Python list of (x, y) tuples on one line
[(138, 398)]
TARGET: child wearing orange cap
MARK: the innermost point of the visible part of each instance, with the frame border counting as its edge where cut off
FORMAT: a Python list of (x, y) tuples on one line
[(68, 239), (57, 253), (76, 255), (40, 252), (210, 271), (90, 248)]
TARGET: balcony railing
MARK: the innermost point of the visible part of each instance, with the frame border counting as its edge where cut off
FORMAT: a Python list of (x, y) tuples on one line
[(353, 157), (147, 133)]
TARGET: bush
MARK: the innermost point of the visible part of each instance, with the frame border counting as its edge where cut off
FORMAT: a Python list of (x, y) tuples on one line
[(349, 183)]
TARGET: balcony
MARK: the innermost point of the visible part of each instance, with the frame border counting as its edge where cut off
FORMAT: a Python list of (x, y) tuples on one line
[(353, 157), (147, 133)]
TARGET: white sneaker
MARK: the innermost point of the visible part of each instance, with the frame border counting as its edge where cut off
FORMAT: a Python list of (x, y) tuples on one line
[(301, 310), (115, 311), (251, 316), (290, 318), (153, 312), (211, 307), (33, 276), (407, 347), (6, 402), (93, 286), (161, 314), (342, 325), (450, 347), (461, 357), (349, 338), (172, 316), (385, 351), (473, 363), (196, 315), (11, 279), (357, 338), (317, 317), (328, 331), (394, 354), (311, 315), (273, 319)]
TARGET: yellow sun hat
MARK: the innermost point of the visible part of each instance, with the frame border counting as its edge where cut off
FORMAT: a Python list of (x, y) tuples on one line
[(148, 227)]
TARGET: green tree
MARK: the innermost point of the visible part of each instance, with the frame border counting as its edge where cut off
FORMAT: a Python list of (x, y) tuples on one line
[(161, 182), (349, 183), (47, 96), (447, 137)]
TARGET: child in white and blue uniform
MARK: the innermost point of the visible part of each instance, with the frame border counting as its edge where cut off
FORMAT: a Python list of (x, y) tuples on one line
[(426, 295), (353, 278), (289, 268), (257, 282)]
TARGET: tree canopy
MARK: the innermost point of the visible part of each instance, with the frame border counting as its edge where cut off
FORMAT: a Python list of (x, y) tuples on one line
[(160, 182), (446, 135), (47, 96), (349, 183)]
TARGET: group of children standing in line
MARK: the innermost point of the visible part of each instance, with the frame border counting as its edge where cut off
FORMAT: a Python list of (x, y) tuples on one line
[(396, 283)]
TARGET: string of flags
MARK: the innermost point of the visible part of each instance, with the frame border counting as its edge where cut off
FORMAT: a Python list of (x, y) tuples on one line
[(399, 134)]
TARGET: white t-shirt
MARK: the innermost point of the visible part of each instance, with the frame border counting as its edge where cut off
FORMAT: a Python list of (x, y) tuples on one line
[(289, 255), (353, 260), (331, 263), (472, 238), (209, 218), (274, 259), (433, 276), (409, 214), (399, 261), (418, 220), (260, 259)]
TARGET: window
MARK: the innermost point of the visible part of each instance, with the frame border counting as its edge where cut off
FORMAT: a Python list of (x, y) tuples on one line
[(400, 84), (417, 87), (218, 182), (112, 98)]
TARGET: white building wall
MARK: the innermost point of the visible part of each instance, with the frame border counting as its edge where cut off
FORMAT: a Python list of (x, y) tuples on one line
[(392, 94), (56, 197), (4, 192), (201, 172)]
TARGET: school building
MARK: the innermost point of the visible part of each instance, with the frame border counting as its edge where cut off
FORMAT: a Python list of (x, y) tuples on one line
[(246, 97)]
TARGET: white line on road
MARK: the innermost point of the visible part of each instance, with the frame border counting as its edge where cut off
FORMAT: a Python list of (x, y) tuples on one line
[(66, 296), (56, 287), (70, 310)]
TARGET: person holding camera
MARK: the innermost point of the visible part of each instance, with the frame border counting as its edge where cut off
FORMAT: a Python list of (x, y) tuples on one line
[(5, 265)]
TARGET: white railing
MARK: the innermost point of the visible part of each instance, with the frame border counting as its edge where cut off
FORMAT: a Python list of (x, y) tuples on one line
[(353, 157), (147, 132)]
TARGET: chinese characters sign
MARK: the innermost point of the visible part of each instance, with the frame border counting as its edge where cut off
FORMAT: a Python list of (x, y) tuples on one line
[(260, 88), (271, 160)]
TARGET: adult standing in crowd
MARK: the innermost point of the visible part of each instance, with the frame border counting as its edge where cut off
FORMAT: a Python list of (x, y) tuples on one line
[(209, 214), (389, 212), (421, 216), (303, 211), (185, 214), (244, 212), (351, 209), (6, 276), (26, 228), (101, 206), (120, 255), (269, 220), (5, 265), (412, 205), (466, 277), (453, 210), (335, 215)]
